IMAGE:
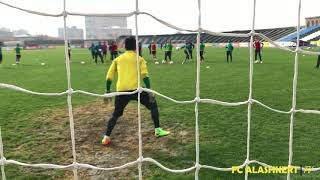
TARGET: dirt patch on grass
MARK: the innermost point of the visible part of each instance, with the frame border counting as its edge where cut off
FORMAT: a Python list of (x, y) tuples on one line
[(90, 122)]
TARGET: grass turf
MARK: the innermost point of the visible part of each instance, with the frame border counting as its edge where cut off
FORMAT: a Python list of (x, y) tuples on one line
[(222, 129)]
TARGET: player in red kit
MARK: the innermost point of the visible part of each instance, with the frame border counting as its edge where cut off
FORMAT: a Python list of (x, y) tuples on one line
[(258, 46), (104, 50), (113, 51), (154, 50)]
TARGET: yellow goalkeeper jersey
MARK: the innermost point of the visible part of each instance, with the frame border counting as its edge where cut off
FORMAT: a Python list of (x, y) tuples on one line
[(126, 68)]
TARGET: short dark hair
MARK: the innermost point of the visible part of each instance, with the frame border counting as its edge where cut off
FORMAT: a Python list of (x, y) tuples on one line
[(130, 43)]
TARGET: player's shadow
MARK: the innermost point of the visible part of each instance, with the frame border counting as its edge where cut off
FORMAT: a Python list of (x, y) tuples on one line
[(7, 67), (28, 65)]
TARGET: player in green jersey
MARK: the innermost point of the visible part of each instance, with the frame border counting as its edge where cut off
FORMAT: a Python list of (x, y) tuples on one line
[(188, 51), (202, 46), (0, 54), (229, 51), (167, 52), (18, 53)]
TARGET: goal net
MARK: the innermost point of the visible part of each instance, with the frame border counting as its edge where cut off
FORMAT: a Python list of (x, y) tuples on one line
[(196, 101)]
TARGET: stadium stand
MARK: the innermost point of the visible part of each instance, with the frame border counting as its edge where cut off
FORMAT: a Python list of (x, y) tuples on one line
[(274, 34), (312, 34), (315, 39), (303, 33), (286, 34)]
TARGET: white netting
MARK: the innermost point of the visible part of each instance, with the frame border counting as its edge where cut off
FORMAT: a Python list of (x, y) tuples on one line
[(69, 92)]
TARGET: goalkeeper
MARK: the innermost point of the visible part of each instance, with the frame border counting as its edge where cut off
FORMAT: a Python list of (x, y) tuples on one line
[(126, 68)]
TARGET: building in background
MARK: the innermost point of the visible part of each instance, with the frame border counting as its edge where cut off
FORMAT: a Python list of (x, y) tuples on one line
[(5, 34), (73, 33), (106, 27), (21, 33), (312, 21)]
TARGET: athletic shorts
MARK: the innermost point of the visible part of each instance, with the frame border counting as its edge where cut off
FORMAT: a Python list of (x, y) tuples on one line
[(18, 56), (0, 57), (153, 52), (122, 101)]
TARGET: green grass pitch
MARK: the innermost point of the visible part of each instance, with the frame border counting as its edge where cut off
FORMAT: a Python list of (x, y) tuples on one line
[(223, 130)]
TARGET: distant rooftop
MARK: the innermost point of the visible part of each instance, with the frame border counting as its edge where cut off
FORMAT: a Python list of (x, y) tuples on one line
[(313, 17)]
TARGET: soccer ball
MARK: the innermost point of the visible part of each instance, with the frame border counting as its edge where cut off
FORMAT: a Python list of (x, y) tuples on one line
[(208, 67), (42, 64), (156, 62), (163, 61), (82, 62), (171, 62)]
